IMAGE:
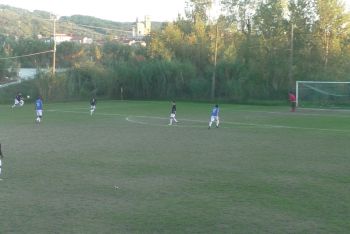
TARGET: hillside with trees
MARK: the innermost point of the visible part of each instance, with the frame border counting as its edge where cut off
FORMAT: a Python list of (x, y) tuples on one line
[(255, 50), (23, 23)]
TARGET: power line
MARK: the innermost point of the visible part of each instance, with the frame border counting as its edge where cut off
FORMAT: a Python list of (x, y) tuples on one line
[(27, 55), (52, 51)]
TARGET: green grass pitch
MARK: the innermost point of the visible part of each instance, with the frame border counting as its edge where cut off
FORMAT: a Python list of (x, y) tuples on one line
[(124, 170)]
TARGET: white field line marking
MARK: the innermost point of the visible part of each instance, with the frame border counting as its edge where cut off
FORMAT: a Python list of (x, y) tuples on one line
[(298, 113), (81, 112), (134, 121), (254, 124), (163, 125), (202, 121), (331, 110)]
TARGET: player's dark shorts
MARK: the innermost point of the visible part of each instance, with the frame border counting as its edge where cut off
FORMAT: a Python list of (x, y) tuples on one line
[(293, 104)]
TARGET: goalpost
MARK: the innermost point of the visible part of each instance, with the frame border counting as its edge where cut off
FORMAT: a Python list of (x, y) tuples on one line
[(328, 94)]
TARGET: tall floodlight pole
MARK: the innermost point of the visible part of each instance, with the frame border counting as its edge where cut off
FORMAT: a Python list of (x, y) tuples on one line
[(54, 47), (214, 19), (213, 80), (291, 58)]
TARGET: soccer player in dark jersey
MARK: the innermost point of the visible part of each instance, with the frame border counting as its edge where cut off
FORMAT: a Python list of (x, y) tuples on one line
[(214, 116), (173, 113), (92, 105), (18, 100)]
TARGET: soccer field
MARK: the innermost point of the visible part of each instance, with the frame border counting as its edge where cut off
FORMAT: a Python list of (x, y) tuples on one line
[(124, 170)]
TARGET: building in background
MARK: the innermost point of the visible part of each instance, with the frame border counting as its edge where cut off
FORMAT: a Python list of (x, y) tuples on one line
[(61, 37), (142, 29)]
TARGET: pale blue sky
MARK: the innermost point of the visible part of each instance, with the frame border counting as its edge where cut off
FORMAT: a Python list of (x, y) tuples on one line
[(116, 10)]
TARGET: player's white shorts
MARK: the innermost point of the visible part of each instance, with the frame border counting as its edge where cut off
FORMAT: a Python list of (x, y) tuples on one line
[(39, 112), (214, 118), (93, 108), (21, 102), (172, 115)]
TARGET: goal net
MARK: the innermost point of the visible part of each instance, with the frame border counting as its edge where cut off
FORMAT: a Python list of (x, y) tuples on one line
[(323, 94)]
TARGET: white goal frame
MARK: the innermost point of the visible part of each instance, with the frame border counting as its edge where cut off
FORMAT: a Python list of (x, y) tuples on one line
[(313, 82)]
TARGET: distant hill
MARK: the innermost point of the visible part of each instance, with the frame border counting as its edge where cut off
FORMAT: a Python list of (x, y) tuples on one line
[(18, 22)]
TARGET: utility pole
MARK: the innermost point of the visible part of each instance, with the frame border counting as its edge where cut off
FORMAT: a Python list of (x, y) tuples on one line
[(291, 56), (327, 34), (54, 47), (213, 80)]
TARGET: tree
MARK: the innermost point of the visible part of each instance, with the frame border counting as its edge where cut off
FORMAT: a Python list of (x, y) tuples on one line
[(240, 11), (198, 9), (27, 46), (70, 54), (332, 24), (9, 66), (115, 53)]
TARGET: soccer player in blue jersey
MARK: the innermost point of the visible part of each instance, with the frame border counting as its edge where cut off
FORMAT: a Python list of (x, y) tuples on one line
[(39, 109), (173, 113), (214, 116), (92, 105)]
